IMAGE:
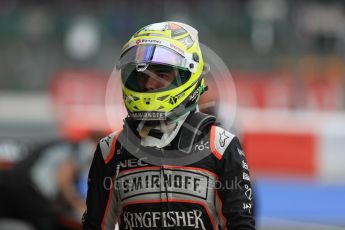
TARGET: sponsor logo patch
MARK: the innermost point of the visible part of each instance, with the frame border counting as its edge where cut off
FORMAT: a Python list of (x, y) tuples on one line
[(176, 48), (149, 115), (133, 163), (244, 165), (240, 152), (202, 146), (247, 206), (222, 138), (171, 181), (248, 192), (151, 41), (194, 95), (166, 219), (174, 99), (107, 140), (246, 176)]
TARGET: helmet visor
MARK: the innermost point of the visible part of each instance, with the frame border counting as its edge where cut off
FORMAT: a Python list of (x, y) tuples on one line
[(154, 78), (153, 54)]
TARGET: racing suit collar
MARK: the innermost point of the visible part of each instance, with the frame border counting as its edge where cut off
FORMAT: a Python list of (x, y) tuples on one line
[(168, 133)]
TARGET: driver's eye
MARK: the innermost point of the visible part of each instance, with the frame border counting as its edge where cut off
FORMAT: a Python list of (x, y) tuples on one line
[(162, 75)]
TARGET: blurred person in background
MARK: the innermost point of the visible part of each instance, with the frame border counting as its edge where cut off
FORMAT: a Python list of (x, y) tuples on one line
[(11, 151), (161, 171), (44, 188)]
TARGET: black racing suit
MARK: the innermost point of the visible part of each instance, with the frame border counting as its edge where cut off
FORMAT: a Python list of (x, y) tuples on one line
[(136, 192)]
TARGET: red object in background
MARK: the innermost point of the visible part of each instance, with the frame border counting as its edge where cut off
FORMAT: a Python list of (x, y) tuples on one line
[(279, 90), (83, 87), (281, 153), (79, 100), (263, 90), (323, 94)]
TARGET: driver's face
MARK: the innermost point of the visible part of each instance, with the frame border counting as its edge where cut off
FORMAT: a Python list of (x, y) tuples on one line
[(155, 77)]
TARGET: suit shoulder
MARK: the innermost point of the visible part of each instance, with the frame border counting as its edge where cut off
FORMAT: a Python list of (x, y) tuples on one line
[(220, 139), (106, 144)]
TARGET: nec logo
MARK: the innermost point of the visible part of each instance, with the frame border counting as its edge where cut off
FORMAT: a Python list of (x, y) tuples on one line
[(132, 163)]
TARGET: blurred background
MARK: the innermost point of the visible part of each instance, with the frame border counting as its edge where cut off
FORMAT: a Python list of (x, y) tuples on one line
[(286, 58)]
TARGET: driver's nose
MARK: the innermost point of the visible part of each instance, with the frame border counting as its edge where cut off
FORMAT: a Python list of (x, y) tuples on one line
[(151, 83)]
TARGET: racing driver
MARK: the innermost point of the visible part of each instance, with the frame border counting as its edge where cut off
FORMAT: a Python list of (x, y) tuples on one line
[(171, 166)]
